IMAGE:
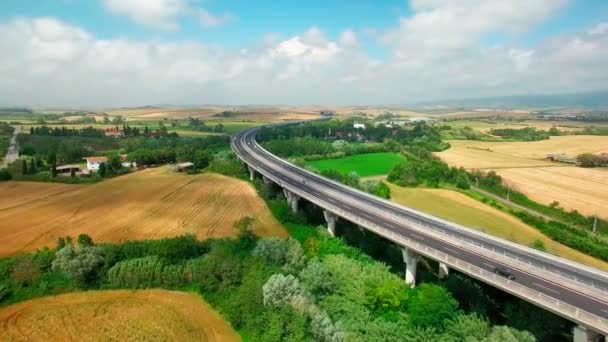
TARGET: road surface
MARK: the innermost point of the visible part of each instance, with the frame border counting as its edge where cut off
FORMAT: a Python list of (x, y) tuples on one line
[(13, 150)]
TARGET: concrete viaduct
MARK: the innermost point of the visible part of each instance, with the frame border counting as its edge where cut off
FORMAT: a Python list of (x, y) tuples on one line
[(574, 291)]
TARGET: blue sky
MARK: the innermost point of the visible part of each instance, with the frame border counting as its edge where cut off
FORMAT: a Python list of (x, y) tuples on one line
[(382, 42)]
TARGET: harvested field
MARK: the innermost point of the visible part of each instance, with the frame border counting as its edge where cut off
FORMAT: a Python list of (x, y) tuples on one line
[(459, 208), (484, 155), (522, 164), (585, 190), (151, 315), (148, 204)]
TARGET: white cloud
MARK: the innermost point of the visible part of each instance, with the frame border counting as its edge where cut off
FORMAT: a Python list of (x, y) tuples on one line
[(49, 62), (209, 20), (599, 29), (164, 14)]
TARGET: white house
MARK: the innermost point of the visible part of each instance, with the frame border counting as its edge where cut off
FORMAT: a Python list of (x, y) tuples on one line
[(358, 125), (94, 162)]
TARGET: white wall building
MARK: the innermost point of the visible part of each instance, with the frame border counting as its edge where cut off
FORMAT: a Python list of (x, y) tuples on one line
[(94, 162), (358, 125)]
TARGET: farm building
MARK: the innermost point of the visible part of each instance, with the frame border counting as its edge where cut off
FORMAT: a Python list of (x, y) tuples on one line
[(562, 158), (327, 113), (66, 170), (182, 167)]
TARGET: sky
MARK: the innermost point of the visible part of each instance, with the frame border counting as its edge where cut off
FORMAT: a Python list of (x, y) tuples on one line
[(355, 52)]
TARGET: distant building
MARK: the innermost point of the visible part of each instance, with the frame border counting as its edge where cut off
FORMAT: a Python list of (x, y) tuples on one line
[(94, 162), (562, 158), (182, 167), (66, 170), (358, 125), (327, 113), (114, 132)]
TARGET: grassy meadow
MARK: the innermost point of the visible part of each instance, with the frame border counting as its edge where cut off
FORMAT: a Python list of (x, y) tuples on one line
[(148, 204), (120, 315), (369, 164), (459, 208)]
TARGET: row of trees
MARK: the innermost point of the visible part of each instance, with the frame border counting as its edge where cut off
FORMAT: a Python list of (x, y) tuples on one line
[(199, 125), (525, 134), (67, 132)]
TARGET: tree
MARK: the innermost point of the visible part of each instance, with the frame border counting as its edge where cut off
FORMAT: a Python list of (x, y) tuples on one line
[(5, 175), (102, 170), (280, 290), (23, 167), (431, 306), (246, 236), (85, 240), (316, 278), (352, 179), (25, 272), (54, 168), (81, 264), (32, 169)]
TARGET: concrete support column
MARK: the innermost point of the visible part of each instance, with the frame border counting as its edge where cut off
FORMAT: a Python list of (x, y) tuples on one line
[(251, 173), (444, 271), (410, 258), (292, 199), (331, 219), (266, 180), (583, 334)]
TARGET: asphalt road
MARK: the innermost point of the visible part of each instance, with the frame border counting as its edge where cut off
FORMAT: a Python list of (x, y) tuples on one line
[(317, 186), (13, 150)]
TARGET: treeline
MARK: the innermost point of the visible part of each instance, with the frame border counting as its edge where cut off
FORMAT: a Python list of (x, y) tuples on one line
[(196, 150), (426, 169), (47, 131), (419, 133), (592, 160), (525, 134), (352, 179), (199, 125), (89, 132)]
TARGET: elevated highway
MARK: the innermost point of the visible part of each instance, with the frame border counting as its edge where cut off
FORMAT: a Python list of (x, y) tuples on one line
[(571, 290)]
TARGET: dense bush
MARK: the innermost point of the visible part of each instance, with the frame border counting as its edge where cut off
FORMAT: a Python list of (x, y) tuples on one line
[(81, 264), (146, 272)]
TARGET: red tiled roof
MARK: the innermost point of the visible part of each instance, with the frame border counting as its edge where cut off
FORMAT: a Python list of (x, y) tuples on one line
[(96, 159)]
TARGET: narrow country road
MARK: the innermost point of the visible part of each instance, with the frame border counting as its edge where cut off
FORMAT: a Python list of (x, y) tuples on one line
[(13, 150)]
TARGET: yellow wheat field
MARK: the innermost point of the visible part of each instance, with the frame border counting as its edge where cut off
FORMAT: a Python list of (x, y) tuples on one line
[(145, 315), (148, 204), (523, 165)]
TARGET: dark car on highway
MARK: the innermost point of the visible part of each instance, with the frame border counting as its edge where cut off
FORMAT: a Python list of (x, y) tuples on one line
[(504, 272)]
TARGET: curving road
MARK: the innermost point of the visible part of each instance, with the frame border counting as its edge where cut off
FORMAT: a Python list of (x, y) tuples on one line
[(576, 292)]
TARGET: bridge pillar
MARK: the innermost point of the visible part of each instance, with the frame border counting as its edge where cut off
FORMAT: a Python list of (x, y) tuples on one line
[(266, 180), (251, 173), (331, 219), (411, 263), (583, 334), (292, 199), (444, 271)]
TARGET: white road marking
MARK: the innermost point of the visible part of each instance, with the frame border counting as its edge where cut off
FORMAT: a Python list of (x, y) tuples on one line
[(546, 288), (488, 265), (606, 311), (417, 236), (451, 250)]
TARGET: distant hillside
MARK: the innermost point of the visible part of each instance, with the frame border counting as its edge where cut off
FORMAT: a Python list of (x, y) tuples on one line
[(596, 100)]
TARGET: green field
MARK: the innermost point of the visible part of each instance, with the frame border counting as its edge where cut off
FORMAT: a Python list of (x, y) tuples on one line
[(369, 164)]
